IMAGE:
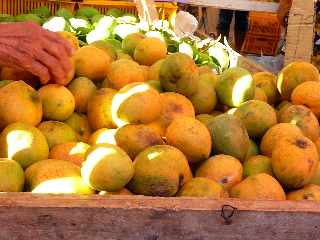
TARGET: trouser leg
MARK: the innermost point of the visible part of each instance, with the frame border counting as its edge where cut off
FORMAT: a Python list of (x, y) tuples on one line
[(241, 27), (225, 19)]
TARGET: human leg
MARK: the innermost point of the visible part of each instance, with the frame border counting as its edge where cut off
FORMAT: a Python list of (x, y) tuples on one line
[(225, 19), (241, 27)]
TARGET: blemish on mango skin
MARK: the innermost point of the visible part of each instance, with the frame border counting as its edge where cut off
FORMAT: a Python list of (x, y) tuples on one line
[(311, 164), (176, 108), (224, 180), (150, 138), (301, 143)]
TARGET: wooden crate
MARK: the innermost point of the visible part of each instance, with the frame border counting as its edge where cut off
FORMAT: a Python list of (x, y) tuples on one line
[(264, 24), (260, 44), (166, 10), (50, 217), (263, 34), (15, 7)]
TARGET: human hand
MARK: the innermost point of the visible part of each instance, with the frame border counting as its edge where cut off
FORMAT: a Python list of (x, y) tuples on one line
[(29, 47)]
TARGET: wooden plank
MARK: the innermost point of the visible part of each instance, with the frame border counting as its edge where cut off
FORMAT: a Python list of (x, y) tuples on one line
[(299, 43), (28, 216), (147, 11), (300, 32), (245, 5), (32, 200)]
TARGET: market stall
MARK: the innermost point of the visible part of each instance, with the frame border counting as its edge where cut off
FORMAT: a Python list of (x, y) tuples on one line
[(138, 129)]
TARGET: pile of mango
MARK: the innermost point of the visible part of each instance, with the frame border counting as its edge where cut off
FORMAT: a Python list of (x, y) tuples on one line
[(137, 119)]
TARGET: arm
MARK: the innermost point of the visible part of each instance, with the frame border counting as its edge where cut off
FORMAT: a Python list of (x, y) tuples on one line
[(29, 47), (283, 10)]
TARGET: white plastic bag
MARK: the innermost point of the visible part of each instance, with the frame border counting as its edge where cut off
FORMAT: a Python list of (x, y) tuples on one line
[(273, 64), (185, 24)]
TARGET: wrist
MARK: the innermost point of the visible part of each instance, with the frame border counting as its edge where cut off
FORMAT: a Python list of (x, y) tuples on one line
[(5, 29), (13, 29)]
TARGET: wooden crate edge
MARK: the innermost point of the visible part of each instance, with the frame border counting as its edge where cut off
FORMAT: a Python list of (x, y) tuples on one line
[(30, 200)]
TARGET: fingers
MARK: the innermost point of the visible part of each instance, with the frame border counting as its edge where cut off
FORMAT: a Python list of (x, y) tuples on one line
[(35, 68), (60, 55), (56, 38), (40, 71), (50, 55), (53, 65), (56, 61), (44, 54), (21, 60)]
